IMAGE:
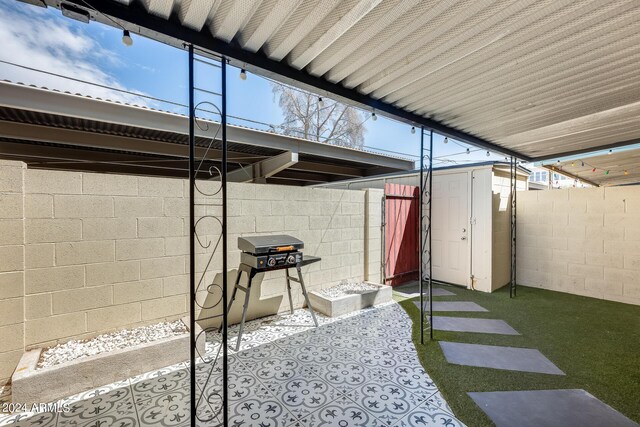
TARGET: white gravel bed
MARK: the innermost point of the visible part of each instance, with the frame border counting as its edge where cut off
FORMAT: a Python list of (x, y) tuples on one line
[(5, 393), (348, 287), (75, 349)]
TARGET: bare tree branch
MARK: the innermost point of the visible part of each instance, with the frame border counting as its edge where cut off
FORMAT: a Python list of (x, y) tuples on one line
[(342, 124)]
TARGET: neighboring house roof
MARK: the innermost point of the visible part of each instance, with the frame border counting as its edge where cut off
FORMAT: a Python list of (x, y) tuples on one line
[(52, 129)]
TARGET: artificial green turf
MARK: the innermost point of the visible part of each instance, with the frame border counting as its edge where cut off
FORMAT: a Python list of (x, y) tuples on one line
[(595, 342)]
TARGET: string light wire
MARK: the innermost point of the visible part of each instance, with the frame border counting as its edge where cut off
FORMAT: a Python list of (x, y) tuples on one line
[(273, 127)]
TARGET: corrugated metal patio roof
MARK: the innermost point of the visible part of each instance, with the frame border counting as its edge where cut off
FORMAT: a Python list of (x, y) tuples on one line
[(534, 78), (617, 167)]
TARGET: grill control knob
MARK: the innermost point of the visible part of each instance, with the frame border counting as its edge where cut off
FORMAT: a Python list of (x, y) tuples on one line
[(271, 262), (291, 259)]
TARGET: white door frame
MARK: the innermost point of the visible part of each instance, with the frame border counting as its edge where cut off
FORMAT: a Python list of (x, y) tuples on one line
[(468, 173)]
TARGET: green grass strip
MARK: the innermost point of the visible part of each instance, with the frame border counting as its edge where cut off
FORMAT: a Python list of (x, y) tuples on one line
[(595, 342)]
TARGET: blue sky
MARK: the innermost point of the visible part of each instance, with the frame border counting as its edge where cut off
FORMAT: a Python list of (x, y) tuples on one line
[(94, 52)]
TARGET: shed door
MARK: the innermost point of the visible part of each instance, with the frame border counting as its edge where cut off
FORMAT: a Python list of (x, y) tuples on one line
[(450, 226)]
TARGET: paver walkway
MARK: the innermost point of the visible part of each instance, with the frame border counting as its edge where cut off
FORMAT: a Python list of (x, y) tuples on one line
[(566, 408), (439, 292), (454, 306), (550, 408), (413, 290), (360, 369), (465, 324), (498, 357)]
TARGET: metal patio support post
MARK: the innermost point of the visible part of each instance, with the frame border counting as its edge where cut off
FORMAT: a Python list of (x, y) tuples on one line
[(192, 259), (425, 268), (429, 233), (225, 313), (513, 169), (206, 393), (420, 227)]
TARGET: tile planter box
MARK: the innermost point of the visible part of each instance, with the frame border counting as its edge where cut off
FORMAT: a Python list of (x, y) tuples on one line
[(337, 306), (31, 385)]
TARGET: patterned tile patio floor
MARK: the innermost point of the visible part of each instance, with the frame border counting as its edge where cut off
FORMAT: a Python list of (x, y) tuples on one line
[(356, 370)]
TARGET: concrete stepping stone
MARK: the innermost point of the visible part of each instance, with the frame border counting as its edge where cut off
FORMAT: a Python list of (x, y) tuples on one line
[(454, 306), (550, 408), (498, 357), (439, 292), (436, 292), (465, 324)]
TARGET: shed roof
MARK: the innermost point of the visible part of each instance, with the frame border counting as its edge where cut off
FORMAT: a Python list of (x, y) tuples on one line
[(496, 166)]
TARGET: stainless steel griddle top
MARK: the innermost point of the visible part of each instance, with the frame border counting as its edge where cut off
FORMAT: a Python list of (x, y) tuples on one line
[(265, 244)]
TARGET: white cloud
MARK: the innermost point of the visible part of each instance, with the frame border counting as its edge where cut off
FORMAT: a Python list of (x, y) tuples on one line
[(36, 38)]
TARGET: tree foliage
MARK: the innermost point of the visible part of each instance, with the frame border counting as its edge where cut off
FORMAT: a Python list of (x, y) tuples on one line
[(329, 122)]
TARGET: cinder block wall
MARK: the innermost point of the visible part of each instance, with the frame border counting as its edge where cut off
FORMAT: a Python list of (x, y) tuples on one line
[(584, 241), (331, 223), (103, 251), (100, 253), (11, 265)]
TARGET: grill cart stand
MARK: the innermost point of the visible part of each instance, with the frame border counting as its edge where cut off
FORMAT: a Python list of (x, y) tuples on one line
[(251, 273)]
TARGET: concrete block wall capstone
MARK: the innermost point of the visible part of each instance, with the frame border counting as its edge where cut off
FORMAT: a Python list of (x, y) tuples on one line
[(373, 231), (584, 241), (86, 253)]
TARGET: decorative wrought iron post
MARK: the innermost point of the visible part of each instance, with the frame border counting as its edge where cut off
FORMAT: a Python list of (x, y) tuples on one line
[(425, 267), (208, 287), (420, 284), (192, 261), (513, 168), (225, 269)]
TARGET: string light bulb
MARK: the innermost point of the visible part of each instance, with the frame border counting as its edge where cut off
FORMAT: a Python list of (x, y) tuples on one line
[(373, 116), (243, 74), (126, 38), (626, 172), (446, 140), (610, 151), (606, 173), (582, 164), (573, 164), (413, 129), (488, 154), (468, 151), (320, 102), (593, 170)]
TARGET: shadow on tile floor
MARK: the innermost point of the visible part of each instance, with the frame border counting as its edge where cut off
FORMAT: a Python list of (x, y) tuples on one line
[(356, 370)]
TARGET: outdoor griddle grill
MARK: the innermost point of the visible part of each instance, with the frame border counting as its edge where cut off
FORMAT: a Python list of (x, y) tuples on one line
[(268, 253)]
